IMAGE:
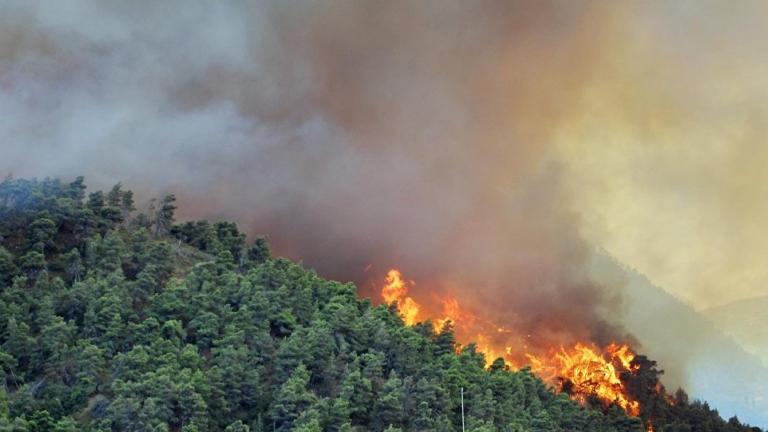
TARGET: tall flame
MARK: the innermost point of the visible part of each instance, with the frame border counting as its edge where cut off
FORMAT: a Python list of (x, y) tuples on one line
[(583, 371), (395, 291)]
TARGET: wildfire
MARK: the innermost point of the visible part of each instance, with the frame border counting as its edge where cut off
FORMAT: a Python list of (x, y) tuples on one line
[(582, 371), (395, 291)]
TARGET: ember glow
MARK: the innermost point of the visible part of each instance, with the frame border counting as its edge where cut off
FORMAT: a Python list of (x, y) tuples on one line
[(583, 371)]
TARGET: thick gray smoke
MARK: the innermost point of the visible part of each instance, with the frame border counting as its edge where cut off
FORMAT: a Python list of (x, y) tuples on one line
[(407, 134)]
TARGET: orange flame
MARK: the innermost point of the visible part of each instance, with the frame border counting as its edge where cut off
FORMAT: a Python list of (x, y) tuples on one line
[(395, 291), (451, 313), (582, 371)]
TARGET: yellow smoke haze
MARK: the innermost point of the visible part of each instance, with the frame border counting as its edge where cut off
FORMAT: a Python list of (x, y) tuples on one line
[(666, 149)]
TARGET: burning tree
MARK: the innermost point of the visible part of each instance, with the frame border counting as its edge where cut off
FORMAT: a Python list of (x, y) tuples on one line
[(607, 377)]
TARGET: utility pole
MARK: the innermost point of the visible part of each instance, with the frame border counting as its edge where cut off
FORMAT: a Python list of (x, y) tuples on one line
[(462, 409)]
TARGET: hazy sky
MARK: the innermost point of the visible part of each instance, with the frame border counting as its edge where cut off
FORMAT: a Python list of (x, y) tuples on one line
[(666, 148), (487, 141)]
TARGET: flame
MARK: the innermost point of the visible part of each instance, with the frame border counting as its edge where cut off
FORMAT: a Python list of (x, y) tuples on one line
[(395, 291), (583, 371), (451, 312), (623, 354)]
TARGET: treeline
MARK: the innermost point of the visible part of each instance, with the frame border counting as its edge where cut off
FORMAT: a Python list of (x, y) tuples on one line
[(118, 320)]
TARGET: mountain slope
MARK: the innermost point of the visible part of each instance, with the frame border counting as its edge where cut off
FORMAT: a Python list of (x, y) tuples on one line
[(746, 321), (695, 354), (111, 321)]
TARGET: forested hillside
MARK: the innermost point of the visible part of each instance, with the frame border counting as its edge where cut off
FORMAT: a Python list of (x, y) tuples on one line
[(118, 320)]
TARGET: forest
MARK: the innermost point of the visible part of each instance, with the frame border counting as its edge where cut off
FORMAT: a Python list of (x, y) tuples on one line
[(114, 319)]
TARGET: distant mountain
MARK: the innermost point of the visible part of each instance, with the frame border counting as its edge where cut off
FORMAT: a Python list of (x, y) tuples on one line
[(696, 354), (746, 321)]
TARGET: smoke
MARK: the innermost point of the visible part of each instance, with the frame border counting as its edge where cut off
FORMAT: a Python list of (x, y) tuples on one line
[(484, 148), (666, 150), (408, 134)]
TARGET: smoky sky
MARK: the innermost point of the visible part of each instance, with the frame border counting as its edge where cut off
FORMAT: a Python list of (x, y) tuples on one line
[(403, 134)]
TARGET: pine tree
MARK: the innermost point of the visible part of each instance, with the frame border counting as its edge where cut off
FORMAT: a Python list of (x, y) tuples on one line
[(164, 215), (389, 410), (291, 400)]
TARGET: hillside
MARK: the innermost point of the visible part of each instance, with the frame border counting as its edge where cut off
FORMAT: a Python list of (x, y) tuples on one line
[(746, 321), (696, 354), (114, 320)]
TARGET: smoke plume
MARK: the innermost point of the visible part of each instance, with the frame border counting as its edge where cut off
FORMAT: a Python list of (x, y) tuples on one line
[(408, 134)]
